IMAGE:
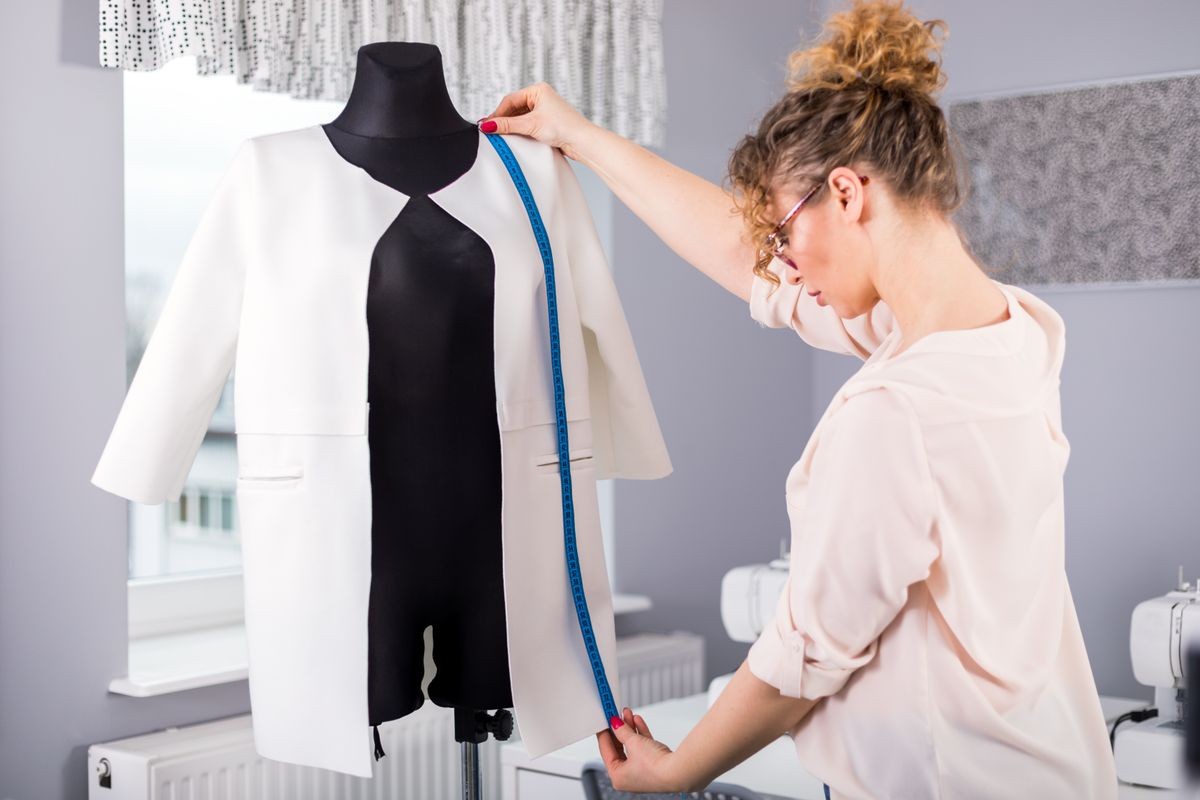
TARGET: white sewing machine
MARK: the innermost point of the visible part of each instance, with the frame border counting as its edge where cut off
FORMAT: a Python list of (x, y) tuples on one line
[(749, 595), (1151, 752)]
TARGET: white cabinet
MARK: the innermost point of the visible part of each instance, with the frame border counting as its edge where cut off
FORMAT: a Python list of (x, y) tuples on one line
[(534, 785)]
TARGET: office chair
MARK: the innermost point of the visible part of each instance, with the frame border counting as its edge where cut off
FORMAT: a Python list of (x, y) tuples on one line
[(597, 786)]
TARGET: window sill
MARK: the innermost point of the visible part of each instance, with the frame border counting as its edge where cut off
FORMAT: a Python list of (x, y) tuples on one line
[(629, 603), (177, 662)]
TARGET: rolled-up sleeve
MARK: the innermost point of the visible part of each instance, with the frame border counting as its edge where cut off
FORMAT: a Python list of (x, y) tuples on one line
[(865, 533), (788, 305)]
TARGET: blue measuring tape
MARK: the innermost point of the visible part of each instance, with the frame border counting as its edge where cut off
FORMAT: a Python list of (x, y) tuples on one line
[(560, 412)]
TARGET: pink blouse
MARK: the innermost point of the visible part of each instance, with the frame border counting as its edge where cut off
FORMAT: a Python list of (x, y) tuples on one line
[(927, 601)]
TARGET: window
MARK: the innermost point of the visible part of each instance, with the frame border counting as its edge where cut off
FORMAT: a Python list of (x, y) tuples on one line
[(180, 132)]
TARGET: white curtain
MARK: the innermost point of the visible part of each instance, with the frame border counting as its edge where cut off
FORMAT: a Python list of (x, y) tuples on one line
[(603, 56)]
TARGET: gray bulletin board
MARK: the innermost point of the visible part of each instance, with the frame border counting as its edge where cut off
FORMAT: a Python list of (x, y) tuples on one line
[(1090, 185)]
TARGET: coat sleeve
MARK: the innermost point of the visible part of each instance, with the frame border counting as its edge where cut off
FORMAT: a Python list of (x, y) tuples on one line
[(820, 326), (190, 353), (626, 439), (867, 533)]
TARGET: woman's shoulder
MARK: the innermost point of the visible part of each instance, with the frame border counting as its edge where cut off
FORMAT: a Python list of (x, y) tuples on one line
[(1005, 369), (868, 416)]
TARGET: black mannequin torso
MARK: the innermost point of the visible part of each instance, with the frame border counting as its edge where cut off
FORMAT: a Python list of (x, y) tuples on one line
[(399, 124), (432, 428)]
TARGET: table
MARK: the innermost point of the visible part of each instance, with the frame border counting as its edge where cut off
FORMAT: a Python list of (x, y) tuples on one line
[(773, 772)]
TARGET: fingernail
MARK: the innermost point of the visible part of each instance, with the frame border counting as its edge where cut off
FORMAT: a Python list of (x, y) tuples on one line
[(615, 722), (489, 126)]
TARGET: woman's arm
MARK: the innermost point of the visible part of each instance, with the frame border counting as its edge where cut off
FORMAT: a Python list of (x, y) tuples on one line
[(697, 220), (694, 217), (747, 716)]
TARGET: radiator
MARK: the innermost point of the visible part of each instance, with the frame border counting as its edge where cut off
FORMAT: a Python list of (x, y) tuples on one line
[(655, 666), (217, 761)]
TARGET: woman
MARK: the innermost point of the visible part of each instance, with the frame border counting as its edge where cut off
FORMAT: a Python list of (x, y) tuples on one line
[(926, 644)]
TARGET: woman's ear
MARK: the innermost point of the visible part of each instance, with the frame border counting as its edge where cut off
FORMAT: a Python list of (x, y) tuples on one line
[(845, 188)]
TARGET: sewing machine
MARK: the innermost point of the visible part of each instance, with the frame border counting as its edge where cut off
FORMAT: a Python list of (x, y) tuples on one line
[(1151, 752), (749, 595)]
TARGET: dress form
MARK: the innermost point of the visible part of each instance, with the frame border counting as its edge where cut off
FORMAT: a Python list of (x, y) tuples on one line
[(432, 428)]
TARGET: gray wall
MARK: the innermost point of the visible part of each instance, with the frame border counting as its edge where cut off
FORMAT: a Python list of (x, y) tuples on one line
[(1130, 379), (732, 398)]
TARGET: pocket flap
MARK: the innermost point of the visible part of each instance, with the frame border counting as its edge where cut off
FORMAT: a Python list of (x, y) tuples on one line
[(270, 473), (582, 454)]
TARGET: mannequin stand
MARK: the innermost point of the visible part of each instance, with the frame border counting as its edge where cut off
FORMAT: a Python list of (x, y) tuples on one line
[(471, 728)]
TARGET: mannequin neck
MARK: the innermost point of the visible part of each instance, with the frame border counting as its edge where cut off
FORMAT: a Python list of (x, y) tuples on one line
[(399, 125), (400, 92)]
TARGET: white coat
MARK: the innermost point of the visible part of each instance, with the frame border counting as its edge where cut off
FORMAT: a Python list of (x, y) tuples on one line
[(273, 285)]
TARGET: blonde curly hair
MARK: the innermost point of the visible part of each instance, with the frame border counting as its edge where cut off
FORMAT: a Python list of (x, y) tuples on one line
[(861, 96)]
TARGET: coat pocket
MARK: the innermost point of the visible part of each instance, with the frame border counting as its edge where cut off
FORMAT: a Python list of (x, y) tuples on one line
[(548, 464), (285, 477)]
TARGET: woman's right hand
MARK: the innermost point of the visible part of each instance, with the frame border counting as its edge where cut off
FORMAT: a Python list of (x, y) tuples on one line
[(541, 113)]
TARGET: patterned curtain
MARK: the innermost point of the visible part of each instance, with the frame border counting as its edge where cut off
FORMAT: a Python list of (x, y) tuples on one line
[(603, 56)]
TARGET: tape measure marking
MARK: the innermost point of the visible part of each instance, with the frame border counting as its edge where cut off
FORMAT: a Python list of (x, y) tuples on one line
[(560, 411)]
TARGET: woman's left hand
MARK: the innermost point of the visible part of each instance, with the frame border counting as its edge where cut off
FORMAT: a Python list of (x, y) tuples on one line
[(635, 761)]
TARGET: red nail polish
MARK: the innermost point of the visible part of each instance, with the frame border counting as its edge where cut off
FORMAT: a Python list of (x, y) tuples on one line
[(489, 126), (615, 722)]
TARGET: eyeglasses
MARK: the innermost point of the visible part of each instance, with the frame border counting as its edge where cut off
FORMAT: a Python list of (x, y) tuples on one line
[(777, 239)]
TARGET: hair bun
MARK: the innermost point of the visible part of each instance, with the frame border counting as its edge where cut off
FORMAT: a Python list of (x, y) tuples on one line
[(875, 42)]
